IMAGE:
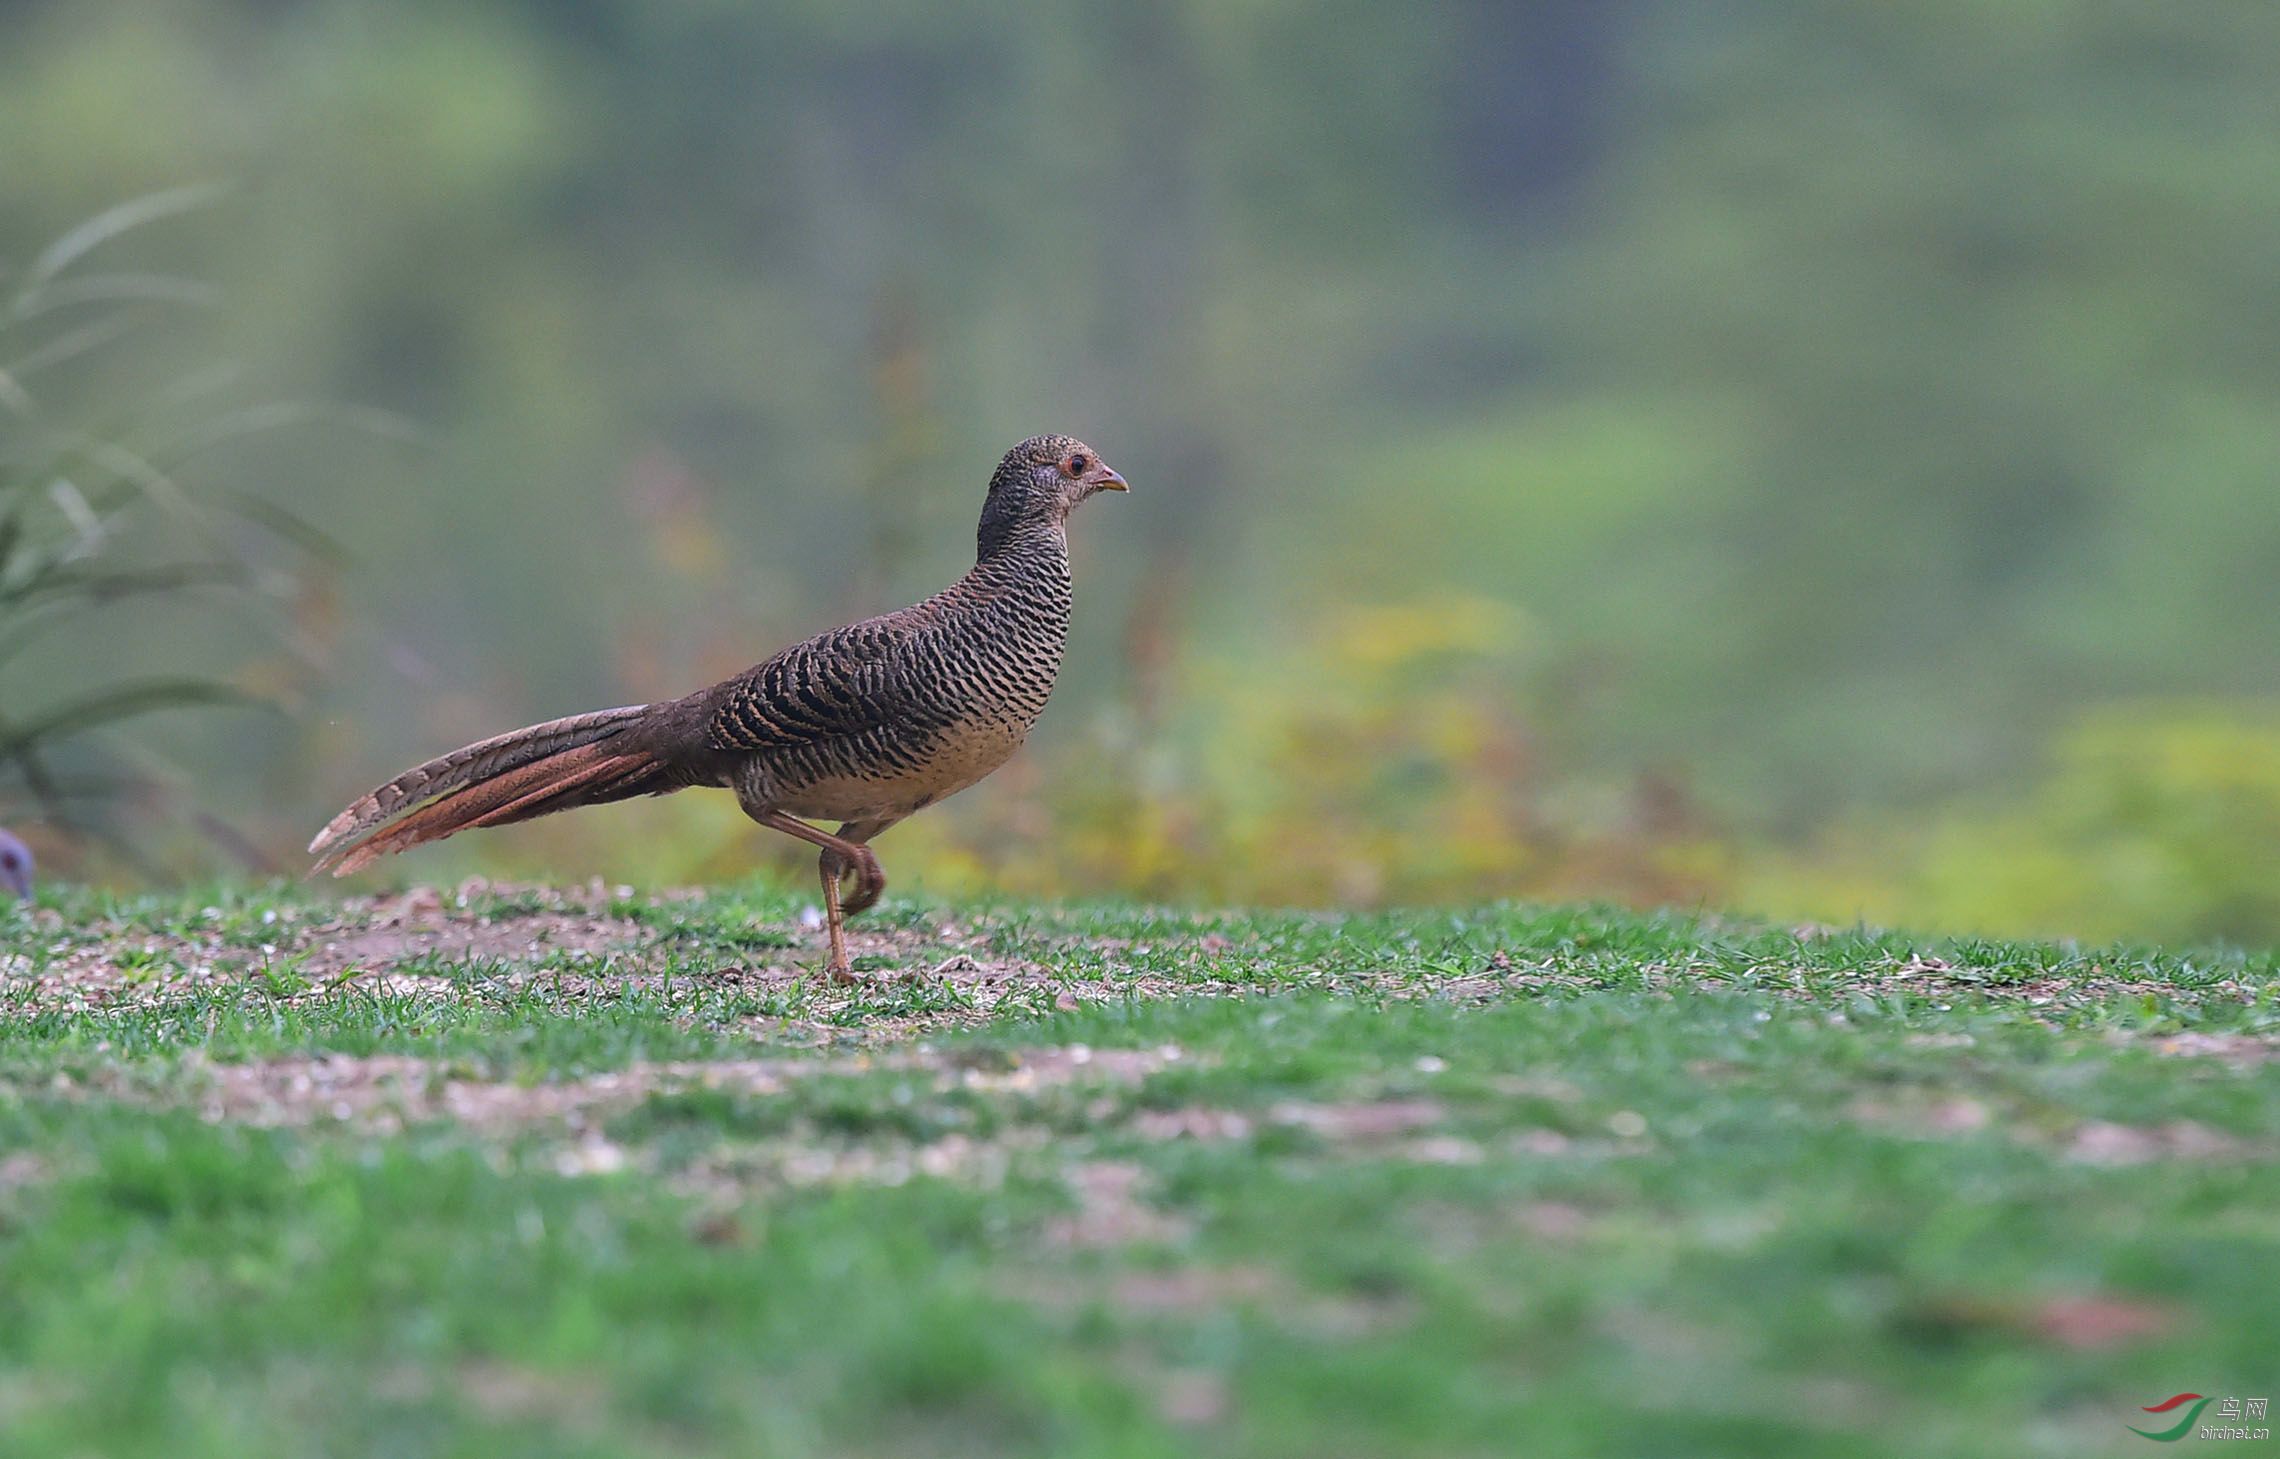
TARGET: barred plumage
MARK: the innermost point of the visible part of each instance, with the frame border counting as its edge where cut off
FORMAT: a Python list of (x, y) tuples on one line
[(864, 724)]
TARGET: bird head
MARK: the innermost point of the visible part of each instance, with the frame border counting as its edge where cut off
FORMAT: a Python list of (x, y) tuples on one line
[(1042, 480), (15, 866)]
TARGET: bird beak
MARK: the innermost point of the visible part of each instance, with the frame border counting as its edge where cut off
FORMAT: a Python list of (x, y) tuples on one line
[(1110, 480)]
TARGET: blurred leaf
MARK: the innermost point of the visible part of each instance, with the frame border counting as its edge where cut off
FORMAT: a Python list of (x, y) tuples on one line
[(89, 520), (107, 706), (101, 229)]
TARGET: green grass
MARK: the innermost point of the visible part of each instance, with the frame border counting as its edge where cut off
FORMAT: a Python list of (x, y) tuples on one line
[(1515, 1181)]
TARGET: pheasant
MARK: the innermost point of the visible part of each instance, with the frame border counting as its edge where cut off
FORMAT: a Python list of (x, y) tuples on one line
[(863, 725)]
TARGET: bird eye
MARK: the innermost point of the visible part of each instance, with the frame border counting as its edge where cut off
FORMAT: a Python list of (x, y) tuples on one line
[(1078, 464)]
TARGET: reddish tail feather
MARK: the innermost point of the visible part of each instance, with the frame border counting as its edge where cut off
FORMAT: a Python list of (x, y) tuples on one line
[(583, 775)]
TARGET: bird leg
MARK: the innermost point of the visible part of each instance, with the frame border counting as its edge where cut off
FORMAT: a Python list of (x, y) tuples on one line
[(834, 919), (838, 855), (869, 882)]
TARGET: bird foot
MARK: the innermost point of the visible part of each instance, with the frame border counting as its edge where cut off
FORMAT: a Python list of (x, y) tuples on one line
[(870, 882)]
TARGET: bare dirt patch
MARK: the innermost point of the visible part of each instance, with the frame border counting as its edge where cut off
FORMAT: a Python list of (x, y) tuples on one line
[(1110, 1210), (431, 933), (390, 1091), (1369, 1120), (359, 938), (2081, 1321), (2242, 1050), (1190, 1290), (1039, 1068), (1361, 1122), (1936, 1116), (2098, 1142), (1193, 1123)]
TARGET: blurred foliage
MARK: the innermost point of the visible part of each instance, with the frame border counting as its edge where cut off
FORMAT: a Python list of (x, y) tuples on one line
[(1769, 429), (2158, 821), (96, 523), (1380, 761)]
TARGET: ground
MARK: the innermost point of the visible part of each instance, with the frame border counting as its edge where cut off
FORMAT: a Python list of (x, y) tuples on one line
[(501, 1171)]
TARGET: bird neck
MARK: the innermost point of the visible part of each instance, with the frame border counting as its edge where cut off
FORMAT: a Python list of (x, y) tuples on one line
[(1025, 571), (1025, 539)]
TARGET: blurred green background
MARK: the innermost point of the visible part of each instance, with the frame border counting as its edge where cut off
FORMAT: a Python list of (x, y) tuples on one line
[(1813, 458)]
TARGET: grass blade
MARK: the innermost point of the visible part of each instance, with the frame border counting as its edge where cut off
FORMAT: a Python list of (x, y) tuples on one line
[(101, 229)]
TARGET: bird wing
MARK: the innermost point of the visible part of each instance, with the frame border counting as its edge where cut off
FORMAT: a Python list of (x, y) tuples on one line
[(837, 686)]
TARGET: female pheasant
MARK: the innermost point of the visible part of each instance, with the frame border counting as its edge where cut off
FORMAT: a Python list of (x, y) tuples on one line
[(862, 725)]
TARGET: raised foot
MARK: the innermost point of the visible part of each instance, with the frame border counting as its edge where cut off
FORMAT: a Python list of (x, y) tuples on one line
[(870, 882)]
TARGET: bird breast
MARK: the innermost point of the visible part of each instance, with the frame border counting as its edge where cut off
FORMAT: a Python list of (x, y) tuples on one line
[(963, 689), (956, 757)]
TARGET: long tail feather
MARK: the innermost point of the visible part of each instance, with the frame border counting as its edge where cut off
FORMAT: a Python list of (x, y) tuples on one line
[(572, 778), (511, 777), (469, 764)]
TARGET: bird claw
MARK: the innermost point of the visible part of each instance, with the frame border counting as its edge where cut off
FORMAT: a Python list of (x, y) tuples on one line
[(870, 882)]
